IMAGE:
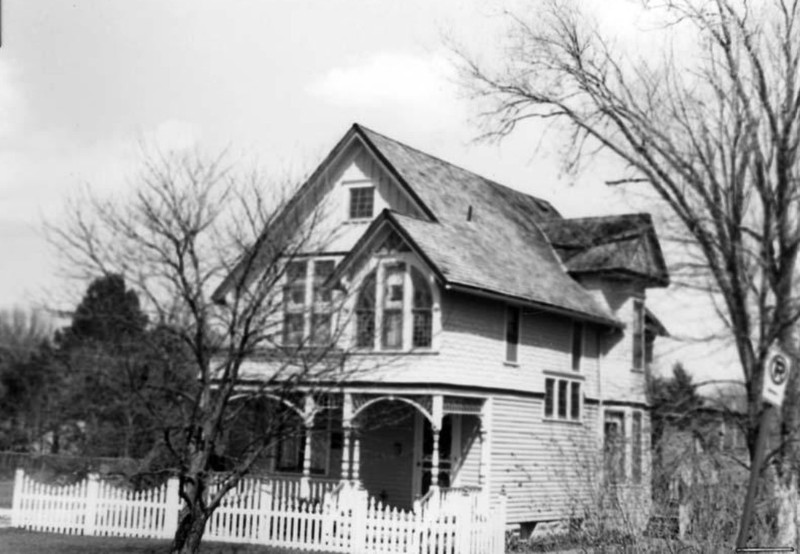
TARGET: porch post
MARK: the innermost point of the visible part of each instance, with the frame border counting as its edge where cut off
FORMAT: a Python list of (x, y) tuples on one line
[(356, 457), (437, 412), (485, 471), (347, 430), (309, 410)]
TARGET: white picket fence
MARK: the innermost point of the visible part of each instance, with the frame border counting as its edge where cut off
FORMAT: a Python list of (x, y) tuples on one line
[(341, 519)]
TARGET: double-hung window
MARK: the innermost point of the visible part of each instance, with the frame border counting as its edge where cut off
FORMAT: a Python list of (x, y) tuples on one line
[(294, 302), (307, 302), (512, 333), (614, 446), (636, 447)]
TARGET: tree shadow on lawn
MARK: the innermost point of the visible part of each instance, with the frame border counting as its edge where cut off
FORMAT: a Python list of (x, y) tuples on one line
[(17, 541)]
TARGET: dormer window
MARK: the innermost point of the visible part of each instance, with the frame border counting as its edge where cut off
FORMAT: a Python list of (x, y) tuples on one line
[(397, 299), (362, 202)]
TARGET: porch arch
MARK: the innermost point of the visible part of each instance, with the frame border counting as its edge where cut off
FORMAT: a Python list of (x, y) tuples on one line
[(392, 398), (282, 400)]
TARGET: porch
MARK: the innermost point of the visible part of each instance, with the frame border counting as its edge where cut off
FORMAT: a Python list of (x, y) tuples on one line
[(406, 450)]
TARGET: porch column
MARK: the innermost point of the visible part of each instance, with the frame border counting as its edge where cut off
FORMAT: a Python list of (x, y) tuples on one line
[(309, 411), (485, 470), (347, 430), (356, 457), (437, 409)]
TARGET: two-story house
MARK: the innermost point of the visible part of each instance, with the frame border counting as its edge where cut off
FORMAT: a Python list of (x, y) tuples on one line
[(501, 346)]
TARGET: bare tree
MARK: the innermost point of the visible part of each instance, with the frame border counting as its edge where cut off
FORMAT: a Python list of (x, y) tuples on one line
[(715, 133), (190, 225)]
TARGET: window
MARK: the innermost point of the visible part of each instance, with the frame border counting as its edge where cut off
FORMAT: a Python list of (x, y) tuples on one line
[(577, 345), (393, 295), (362, 201), (365, 313), (294, 302), (638, 335), (636, 448), (307, 302), (614, 446), (321, 294), (422, 311), (406, 316), (562, 399), (512, 333)]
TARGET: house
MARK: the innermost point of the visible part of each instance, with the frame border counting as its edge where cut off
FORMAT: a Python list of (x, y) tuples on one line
[(504, 345)]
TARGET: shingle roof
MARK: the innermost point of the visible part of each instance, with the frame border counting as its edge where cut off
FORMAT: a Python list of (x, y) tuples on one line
[(611, 244), (500, 248)]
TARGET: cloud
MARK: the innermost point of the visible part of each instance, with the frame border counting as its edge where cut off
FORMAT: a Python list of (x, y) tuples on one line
[(173, 135), (390, 79), (12, 104)]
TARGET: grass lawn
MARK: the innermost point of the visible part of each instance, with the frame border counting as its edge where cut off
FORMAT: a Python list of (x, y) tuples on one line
[(16, 541)]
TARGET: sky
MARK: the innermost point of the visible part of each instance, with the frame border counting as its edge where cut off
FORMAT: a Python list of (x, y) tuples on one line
[(86, 85)]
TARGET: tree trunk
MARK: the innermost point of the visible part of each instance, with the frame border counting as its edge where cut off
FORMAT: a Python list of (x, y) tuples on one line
[(191, 526)]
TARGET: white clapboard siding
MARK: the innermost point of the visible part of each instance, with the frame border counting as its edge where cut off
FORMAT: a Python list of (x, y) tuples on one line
[(341, 518)]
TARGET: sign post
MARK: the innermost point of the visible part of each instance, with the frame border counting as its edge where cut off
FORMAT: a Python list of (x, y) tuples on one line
[(776, 375)]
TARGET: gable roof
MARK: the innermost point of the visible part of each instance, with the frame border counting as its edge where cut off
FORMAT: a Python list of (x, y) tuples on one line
[(476, 234), (618, 244)]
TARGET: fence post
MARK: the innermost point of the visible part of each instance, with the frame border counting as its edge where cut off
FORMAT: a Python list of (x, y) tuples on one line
[(16, 502), (90, 510), (171, 508)]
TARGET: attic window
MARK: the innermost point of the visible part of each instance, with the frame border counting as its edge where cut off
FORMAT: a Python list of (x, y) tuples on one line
[(362, 202)]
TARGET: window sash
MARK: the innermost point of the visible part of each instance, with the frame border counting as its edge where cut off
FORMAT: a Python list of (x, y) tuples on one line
[(549, 391), (362, 202), (422, 332), (562, 398), (577, 345), (636, 448), (512, 333)]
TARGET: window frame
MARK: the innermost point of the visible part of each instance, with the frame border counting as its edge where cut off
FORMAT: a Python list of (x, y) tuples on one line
[(578, 345), (638, 346), (553, 407), (408, 327), (512, 346), (353, 189), (311, 309), (611, 478), (637, 447)]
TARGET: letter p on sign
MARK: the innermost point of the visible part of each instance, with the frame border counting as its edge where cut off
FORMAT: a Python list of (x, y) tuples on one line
[(776, 375)]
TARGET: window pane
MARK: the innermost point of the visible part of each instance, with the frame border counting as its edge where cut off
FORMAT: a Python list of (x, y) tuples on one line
[(512, 333), (365, 329), (296, 271), (392, 329), (322, 270), (362, 200), (395, 276), (636, 447), (293, 328), (577, 345), (423, 322), (575, 400), (562, 399), (422, 290), (549, 391), (321, 328)]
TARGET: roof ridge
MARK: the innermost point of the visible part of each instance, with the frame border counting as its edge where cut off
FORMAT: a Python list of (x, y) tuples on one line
[(600, 217), (491, 182)]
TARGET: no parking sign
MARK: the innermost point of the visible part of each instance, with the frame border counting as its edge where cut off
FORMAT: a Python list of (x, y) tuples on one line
[(776, 375)]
